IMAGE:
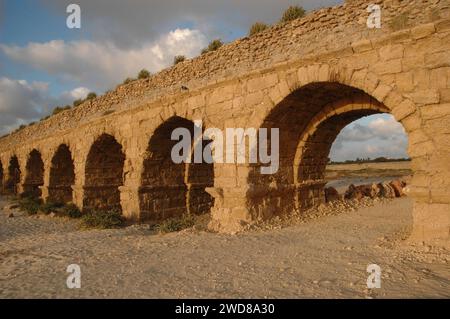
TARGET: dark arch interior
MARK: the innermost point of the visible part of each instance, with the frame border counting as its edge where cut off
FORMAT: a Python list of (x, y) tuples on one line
[(62, 176), (292, 116), (34, 174), (104, 175), (13, 176), (199, 177), (166, 190)]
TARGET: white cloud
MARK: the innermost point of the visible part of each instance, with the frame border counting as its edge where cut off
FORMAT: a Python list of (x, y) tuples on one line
[(130, 23), (374, 136), (22, 102), (103, 65), (386, 127), (75, 94), (357, 132)]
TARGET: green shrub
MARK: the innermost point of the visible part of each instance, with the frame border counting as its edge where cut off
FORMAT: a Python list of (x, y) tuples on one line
[(292, 13), (102, 219), (213, 46), (143, 74), (59, 109), (128, 80), (50, 207), (30, 205), (178, 59), (26, 195), (77, 102), (257, 27), (70, 210), (176, 224), (91, 95)]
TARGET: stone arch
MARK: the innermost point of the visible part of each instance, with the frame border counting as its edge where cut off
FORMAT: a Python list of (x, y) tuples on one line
[(402, 108), (34, 177), (309, 119), (170, 189), (103, 175), (14, 175), (313, 151), (62, 176)]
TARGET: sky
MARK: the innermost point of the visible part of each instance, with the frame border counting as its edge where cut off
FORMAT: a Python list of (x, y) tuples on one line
[(44, 64)]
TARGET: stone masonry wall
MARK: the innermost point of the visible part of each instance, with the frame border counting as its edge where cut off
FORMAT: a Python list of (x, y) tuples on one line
[(321, 31), (308, 78)]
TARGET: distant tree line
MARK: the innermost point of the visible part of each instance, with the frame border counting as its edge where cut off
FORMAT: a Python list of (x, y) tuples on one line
[(369, 160)]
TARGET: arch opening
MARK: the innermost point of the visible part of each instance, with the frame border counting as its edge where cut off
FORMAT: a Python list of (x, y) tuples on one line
[(104, 175), (62, 176), (14, 175), (368, 159), (314, 159), (309, 120), (34, 178), (170, 189)]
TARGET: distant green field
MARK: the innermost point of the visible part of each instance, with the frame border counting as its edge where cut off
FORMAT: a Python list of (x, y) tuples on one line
[(368, 170)]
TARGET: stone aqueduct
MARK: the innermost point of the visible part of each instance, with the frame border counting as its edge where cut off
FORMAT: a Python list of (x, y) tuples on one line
[(309, 78)]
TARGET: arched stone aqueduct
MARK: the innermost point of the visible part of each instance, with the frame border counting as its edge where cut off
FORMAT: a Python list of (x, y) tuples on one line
[(121, 159)]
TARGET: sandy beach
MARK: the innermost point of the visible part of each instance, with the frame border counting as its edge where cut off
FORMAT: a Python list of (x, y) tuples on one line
[(326, 257)]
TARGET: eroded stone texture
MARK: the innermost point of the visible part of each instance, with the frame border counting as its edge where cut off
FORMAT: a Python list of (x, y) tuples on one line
[(309, 78)]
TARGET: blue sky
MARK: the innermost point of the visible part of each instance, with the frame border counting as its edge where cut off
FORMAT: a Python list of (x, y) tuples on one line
[(44, 64), (26, 21)]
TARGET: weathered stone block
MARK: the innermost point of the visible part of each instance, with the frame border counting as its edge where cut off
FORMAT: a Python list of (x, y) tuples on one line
[(417, 136), (404, 109), (438, 78), (437, 60), (388, 67), (435, 111), (423, 31), (404, 81), (254, 99), (421, 149), (430, 96), (391, 52), (381, 92), (431, 222), (362, 46), (445, 95)]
